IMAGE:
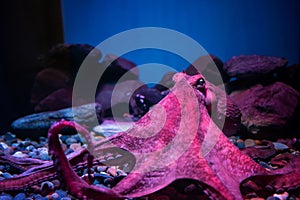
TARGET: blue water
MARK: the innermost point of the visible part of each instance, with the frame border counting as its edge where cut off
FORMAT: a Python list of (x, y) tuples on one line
[(223, 28)]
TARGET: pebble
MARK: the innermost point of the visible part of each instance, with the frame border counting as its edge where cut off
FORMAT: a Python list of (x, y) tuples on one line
[(19, 154), (9, 137), (240, 144), (249, 143), (30, 148), (65, 198), (61, 193), (101, 168), (6, 149), (112, 171), (76, 146), (20, 196), (6, 197), (70, 140), (279, 146), (6, 175), (46, 187), (282, 196), (272, 198), (68, 151)]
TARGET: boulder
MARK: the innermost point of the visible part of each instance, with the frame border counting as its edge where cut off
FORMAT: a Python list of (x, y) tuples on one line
[(211, 67), (244, 66), (37, 124), (266, 109), (46, 82)]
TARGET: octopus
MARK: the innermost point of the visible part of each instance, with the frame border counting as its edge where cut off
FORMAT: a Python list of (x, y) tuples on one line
[(175, 140)]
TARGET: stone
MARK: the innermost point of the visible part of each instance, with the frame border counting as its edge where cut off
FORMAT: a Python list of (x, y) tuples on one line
[(20, 196), (19, 154), (291, 76), (110, 127), (282, 196), (266, 109), (46, 187), (36, 125), (6, 197), (59, 99), (280, 146), (253, 65), (116, 67), (166, 82), (46, 82), (211, 67), (76, 147), (249, 143)]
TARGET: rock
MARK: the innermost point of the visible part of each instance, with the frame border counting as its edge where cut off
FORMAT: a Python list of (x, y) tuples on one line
[(70, 140), (211, 67), (59, 99), (19, 154), (6, 175), (119, 99), (61, 194), (6, 197), (166, 82), (263, 151), (52, 88), (43, 153), (5, 148), (46, 187), (291, 76), (110, 127), (249, 143), (266, 109), (75, 146), (282, 196), (8, 136), (20, 196), (46, 82), (280, 146), (253, 65), (37, 125), (116, 67)]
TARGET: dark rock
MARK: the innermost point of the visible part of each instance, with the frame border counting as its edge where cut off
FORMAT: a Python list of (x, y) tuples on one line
[(119, 99), (166, 82), (59, 99), (263, 151), (253, 65), (62, 63), (116, 67), (20, 196), (266, 109), (37, 125), (6, 197), (46, 82), (46, 188), (291, 76), (211, 67)]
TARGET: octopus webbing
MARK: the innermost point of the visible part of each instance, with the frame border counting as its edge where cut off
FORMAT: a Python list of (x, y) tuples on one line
[(175, 140)]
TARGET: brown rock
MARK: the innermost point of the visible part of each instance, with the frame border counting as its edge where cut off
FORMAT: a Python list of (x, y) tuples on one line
[(59, 99), (211, 67), (266, 108), (253, 65), (46, 82), (291, 76)]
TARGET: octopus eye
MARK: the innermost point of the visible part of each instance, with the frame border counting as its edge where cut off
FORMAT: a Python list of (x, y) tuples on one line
[(200, 82)]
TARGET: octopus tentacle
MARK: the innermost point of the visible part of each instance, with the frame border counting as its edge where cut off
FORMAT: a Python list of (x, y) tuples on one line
[(75, 185)]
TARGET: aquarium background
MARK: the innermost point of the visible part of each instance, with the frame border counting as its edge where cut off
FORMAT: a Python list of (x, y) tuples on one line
[(224, 28)]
